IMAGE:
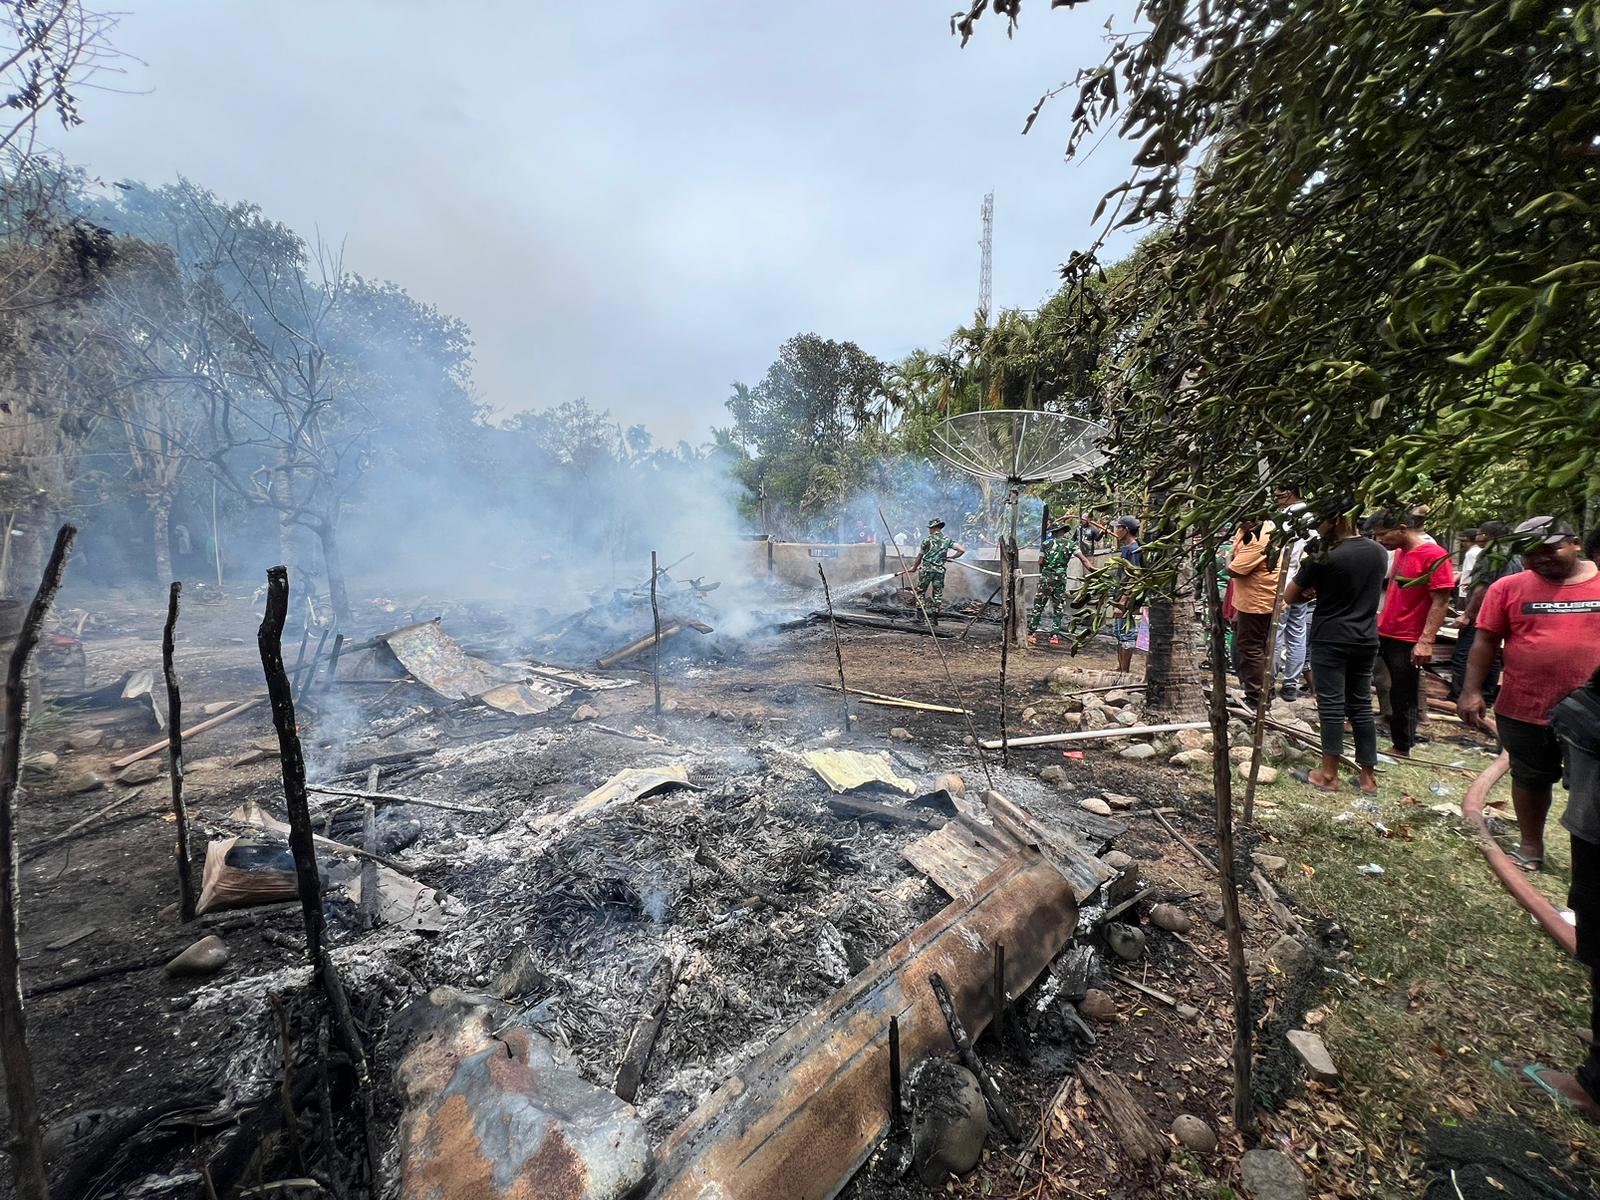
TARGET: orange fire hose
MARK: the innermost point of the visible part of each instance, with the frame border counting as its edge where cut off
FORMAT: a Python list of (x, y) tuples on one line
[(1514, 878)]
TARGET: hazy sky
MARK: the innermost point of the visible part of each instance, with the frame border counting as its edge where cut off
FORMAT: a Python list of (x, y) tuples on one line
[(634, 202)]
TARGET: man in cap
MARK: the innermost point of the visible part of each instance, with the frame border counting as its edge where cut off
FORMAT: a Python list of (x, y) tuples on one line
[(1130, 557), (1547, 620), (929, 565), (1055, 557), (1421, 583)]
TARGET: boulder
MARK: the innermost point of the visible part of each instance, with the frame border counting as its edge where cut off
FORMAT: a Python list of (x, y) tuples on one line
[(143, 772), (1118, 800), (1191, 758), (499, 1113), (1286, 953), (949, 1123), (1312, 1052), (1272, 864), (1117, 860), (1271, 1175), (206, 957), (1171, 918), (1095, 805), (41, 763), (1029, 713), (1194, 1133), (1056, 775), (1126, 716), (1240, 754), (86, 739), (1126, 941), (1264, 773), (1098, 1006), (1137, 751), (1190, 739), (80, 781), (1070, 720)]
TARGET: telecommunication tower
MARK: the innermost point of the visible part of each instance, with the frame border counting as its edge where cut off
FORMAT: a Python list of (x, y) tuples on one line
[(985, 270)]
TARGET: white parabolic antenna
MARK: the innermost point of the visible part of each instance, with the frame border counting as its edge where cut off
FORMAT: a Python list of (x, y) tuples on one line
[(1017, 446)]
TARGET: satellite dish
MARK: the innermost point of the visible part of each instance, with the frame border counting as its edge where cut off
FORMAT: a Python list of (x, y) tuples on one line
[(1018, 446)]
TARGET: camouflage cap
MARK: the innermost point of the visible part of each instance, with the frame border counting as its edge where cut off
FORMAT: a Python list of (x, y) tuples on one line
[(936, 523)]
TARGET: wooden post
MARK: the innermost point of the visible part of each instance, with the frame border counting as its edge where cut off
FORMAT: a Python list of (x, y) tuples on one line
[(22, 1091), (1268, 684), (1008, 600), (655, 646), (180, 813), (216, 533), (302, 845), (367, 914), (838, 651), (333, 661), (1222, 783), (896, 1109)]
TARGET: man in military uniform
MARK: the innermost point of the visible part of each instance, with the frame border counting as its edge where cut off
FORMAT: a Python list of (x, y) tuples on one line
[(1055, 556), (929, 565)]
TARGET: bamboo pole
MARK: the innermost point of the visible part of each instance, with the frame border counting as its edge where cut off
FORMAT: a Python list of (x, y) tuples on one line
[(180, 814), (22, 1090), (157, 747), (838, 651), (655, 645), (1095, 735)]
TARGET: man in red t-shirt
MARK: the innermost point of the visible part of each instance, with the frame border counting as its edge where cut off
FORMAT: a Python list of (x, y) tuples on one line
[(1413, 609), (1548, 618)]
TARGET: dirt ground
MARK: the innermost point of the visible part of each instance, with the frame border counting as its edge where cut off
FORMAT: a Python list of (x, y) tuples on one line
[(592, 916)]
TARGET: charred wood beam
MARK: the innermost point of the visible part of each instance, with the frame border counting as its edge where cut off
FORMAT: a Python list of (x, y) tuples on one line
[(180, 814), (636, 1056), (22, 1090), (969, 1058)]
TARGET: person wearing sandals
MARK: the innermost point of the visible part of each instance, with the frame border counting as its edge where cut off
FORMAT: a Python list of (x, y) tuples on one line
[(1343, 572), (1546, 619)]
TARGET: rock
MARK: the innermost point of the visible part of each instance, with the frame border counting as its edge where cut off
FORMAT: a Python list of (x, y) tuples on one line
[(1117, 800), (41, 763), (951, 783), (505, 1109), (1314, 1054), (1194, 1133), (1264, 773), (1117, 860), (1191, 758), (1029, 713), (1272, 864), (521, 976), (1054, 775), (585, 712), (1286, 952), (1271, 1175), (83, 781), (1116, 696), (1214, 913), (1069, 721), (206, 957), (1095, 805), (900, 734), (218, 706), (146, 770), (1127, 878), (1098, 1006), (1171, 918), (1190, 739), (949, 1123), (86, 739), (1095, 717), (1137, 750), (1127, 717), (1126, 941), (201, 765), (1240, 754)]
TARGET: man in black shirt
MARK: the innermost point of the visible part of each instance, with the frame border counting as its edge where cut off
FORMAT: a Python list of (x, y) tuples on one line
[(1344, 573)]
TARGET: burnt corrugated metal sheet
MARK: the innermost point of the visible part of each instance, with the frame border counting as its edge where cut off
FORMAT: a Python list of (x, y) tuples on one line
[(435, 658)]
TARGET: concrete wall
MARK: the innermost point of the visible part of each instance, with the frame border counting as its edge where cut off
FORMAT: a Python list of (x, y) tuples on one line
[(796, 562)]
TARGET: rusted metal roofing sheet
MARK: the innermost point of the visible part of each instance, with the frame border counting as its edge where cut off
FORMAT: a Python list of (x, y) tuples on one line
[(435, 658), (800, 1118), (961, 855)]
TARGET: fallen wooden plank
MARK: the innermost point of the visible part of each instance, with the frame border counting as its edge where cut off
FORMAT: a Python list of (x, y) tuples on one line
[(799, 1119), (1130, 1124), (892, 814), (648, 640), (127, 760), (323, 789), (1092, 735), (885, 701)]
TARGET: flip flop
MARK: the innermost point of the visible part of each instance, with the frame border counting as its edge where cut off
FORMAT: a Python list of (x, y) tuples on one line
[(1528, 862), (1531, 1071), (1303, 775)]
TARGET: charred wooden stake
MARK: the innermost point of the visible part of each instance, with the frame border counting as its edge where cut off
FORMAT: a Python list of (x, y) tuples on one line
[(636, 1055), (896, 1108), (367, 914), (22, 1092), (180, 814), (302, 844), (333, 661), (303, 685), (655, 646), (838, 651), (969, 1056)]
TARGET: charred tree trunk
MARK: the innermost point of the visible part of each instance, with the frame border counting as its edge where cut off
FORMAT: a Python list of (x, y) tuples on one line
[(338, 594), (161, 528), (180, 813), (1222, 783), (22, 1091)]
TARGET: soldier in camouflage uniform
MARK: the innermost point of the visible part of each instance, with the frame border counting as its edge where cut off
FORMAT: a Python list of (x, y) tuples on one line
[(929, 565), (1054, 559)]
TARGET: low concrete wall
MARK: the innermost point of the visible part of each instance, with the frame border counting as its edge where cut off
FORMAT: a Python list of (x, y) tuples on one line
[(796, 562)]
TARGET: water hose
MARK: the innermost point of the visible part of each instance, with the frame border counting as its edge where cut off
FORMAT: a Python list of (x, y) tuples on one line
[(1513, 876)]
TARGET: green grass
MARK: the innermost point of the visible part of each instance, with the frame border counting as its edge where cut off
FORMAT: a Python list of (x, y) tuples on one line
[(1451, 973)]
